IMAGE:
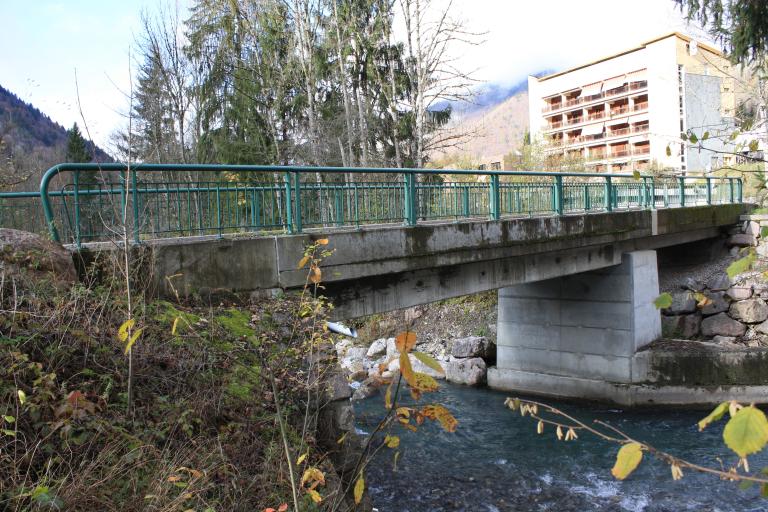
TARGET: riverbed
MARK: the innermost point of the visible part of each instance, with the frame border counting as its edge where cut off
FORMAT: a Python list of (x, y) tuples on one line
[(495, 461)]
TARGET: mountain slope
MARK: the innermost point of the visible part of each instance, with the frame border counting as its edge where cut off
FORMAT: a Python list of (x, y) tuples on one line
[(30, 143), (492, 131)]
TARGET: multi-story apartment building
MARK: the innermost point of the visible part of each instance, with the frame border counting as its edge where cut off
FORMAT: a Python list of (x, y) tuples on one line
[(627, 111)]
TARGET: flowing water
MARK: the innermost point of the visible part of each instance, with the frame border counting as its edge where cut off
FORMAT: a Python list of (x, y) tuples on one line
[(495, 461)]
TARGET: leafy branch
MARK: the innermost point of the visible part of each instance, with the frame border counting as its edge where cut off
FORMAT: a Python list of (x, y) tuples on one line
[(746, 433)]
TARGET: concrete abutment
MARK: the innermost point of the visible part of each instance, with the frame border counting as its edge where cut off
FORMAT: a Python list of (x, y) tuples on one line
[(577, 335)]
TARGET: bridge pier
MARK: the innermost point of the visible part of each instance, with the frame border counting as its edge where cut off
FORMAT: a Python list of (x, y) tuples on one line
[(576, 336)]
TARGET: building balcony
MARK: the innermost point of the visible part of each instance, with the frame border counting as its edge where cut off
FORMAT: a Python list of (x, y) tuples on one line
[(596, 116), (587, 100), (640, 106), (619, 111)]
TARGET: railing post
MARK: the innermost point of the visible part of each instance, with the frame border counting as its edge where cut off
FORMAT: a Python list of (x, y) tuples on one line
[(297, 218), (465, 200), (218, 209), (652, 192), (730, 189), (558, 195), (587, 205), (338, 206), (681, 187), (495, 198), (135, 197), (410, 199), (740, 186), (288, 203), (608, 194), (709, 190), (76, 181)]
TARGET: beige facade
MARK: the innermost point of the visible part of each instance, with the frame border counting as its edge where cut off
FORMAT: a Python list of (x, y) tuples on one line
[(627, 111)]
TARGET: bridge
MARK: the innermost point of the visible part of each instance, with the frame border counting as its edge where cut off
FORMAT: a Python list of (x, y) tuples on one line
[(572, 254)]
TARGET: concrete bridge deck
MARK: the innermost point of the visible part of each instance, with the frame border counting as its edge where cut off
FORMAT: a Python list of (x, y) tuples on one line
[(381, 269)]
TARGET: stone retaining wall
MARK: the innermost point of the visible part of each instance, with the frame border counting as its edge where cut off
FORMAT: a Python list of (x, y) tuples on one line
[(731, 311)]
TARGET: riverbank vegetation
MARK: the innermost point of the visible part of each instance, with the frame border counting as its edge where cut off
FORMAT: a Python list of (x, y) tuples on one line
[(221, 392)]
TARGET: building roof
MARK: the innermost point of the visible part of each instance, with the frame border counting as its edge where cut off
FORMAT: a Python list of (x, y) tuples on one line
[(684, 37)]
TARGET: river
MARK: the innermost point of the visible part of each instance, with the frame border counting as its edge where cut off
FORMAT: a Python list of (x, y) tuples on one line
[(495, 461)]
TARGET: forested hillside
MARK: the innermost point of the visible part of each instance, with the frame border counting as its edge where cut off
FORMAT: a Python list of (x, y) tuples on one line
[(30, 142)]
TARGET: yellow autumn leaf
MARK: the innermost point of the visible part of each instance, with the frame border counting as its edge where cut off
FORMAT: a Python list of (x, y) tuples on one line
[(429, 361), (627, 460), (316, 497), (301, 459), (315, 275), (406, 369), (122, 332), (22, 396), (424, 383), (442, 415), (388, 397), (175, 325), (405, 341), (322, 241), (134, 337), (313, 475), (391, 441), (359, 489), (303, 262)]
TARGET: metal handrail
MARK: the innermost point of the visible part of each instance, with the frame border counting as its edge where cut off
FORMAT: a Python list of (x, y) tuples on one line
[(183, 207)]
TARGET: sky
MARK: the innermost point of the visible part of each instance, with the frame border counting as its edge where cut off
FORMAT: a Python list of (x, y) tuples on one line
[(52, 45)]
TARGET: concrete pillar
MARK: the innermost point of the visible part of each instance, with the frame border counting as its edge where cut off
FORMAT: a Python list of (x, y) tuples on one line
[(555, 334)]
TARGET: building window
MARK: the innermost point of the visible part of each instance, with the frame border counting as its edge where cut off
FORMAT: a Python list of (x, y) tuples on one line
[(495, 166)]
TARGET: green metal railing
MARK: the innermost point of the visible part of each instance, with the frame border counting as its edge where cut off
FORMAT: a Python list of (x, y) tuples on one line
[(96, 202)]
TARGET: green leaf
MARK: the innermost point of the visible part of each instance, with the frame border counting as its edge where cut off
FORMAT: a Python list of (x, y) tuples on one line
[(8, 432), (747, 432), (683, 136), (754, 145), (663, 301), (22, 396), (693, 138), (8, 418), (746, 484), (669, 150), (715, 415), (627, 460), (705, 136), (636, 175), (429, 361)]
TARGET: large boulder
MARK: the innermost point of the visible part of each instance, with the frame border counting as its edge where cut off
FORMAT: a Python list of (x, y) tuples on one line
[(680, 326), (471, 346), (378, 348), (749, 311), (739, 292), (353, 360), (682, 303), (718, 304), (722, 325), (367, 389), (719, 282), (471, 371), (30, 258)]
